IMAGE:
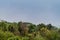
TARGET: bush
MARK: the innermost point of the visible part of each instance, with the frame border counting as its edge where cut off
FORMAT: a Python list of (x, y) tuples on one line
[(25, 38), (15, 38), (5, 35)]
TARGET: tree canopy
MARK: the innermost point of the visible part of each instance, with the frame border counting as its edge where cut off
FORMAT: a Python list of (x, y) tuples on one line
[(28, 31)]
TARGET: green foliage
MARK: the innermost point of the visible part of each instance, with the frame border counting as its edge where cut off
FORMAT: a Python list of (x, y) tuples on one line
[(5, 35), (32, 28), (3, 26), (28, 31), (38, 37), (23, 28), (11, 28), (25, 38), (15, 38)]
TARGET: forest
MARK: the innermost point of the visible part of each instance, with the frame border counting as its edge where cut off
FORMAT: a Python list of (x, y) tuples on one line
[(28, 31)]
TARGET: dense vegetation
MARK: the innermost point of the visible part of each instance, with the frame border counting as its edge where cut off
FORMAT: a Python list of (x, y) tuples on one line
[(28, 31)]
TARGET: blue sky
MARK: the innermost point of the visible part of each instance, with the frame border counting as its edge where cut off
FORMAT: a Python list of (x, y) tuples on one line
[(35, 11)]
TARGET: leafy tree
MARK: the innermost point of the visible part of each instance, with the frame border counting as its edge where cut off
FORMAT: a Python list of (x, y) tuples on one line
[(11, 28), (49, 26), (32, 28), (3, 26), (23, 28), (5, 35), (41, 26)]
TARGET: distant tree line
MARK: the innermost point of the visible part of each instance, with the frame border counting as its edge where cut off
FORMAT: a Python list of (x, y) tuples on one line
[(28, 31)]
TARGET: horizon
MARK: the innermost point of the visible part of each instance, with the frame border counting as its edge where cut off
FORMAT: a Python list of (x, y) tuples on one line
[(34, 11)]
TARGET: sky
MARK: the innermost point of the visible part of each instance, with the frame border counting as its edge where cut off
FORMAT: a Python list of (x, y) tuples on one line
[(34, 11)]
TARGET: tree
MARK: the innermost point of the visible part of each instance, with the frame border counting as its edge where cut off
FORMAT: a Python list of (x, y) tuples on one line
[(49, 26), (41, 26), (23, 28), (5, 35), (32, 28), (3, 26), (11, 28)]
